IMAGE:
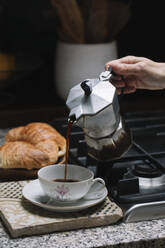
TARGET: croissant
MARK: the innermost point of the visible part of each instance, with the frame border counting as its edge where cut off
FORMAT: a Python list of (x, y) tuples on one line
[(20, 154), (50, 147), (36, 132), (32, 146)]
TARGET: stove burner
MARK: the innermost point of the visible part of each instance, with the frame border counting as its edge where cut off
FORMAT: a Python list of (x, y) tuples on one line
[(146, 171), (151, 183)]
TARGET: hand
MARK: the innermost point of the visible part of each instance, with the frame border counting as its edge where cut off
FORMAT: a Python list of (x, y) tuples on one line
[(133, 73)]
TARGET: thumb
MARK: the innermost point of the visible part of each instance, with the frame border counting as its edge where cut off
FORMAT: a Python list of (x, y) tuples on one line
[(123, 69)]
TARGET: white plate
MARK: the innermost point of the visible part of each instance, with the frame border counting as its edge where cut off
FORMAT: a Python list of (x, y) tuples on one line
[(34, 193)]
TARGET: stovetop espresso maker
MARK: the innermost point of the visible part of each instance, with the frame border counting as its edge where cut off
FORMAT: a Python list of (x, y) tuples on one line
[(94, 107)]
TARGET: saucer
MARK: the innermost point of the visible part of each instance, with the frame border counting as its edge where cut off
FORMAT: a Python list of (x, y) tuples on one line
[(34, 193)]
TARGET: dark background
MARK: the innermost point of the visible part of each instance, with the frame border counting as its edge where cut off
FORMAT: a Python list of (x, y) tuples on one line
[(28, 27)]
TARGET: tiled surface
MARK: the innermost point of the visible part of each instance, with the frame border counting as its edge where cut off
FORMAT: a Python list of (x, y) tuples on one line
[(23, 218)]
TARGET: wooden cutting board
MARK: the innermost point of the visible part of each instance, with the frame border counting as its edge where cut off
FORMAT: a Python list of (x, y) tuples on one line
[(22, 218)]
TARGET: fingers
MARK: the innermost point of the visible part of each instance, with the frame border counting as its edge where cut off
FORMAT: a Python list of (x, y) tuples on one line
[(129, 90), (126, 90), (124, 69), (127, 71), (128, 84), (129, 65), (118, 82), (126, 60), (130, 59), (116, 77), (125, 85)]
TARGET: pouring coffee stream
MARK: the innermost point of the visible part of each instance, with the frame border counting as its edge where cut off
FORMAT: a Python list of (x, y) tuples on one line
[(94, 107), (70, 122)]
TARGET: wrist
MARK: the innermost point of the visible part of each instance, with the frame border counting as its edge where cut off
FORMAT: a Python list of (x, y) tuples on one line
[(161, 74)]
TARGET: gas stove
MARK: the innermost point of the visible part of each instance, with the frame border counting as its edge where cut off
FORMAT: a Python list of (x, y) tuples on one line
[(136, 181)]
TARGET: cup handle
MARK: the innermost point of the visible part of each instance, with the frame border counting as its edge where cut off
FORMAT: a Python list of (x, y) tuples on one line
[(91, 194), (98, 179)]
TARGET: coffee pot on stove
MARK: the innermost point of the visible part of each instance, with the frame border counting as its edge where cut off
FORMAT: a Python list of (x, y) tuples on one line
[(94, 107)]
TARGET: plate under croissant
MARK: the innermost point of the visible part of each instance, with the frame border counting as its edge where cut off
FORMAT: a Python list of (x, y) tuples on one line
[(22, 174)]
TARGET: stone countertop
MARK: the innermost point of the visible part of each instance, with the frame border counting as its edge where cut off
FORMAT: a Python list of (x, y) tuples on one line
[(139, 235)]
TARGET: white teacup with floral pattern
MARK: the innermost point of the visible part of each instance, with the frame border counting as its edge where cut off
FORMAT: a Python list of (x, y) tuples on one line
[(67, 191)]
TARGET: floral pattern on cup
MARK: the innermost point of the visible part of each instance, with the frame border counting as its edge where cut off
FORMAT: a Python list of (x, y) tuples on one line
[(62, 192)]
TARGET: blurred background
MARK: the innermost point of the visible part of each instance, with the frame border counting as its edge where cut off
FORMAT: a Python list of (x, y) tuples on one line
[(29, 31)]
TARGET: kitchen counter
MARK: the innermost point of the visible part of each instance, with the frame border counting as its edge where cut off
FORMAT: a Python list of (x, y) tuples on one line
[(142, 234)]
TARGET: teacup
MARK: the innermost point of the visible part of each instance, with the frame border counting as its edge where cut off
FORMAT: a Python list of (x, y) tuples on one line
[(78, 183)]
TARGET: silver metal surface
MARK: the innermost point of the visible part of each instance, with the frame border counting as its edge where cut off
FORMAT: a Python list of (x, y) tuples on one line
[(102, 96), (105, 76), (145, 211), (94, 105), (110, 147), (149, 183), (103, 123)]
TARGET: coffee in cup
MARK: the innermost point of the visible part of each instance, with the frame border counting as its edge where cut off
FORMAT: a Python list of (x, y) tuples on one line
[(77, 184)]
